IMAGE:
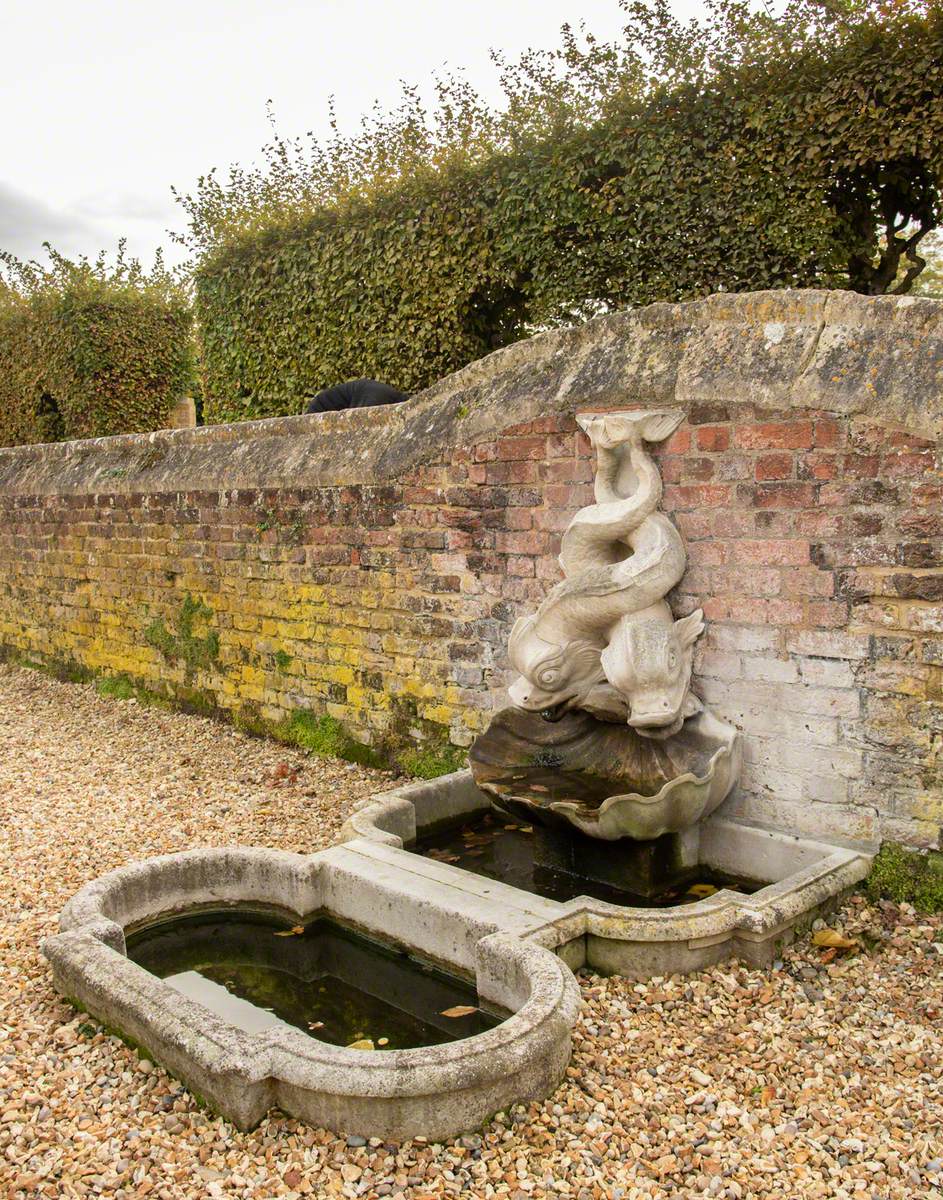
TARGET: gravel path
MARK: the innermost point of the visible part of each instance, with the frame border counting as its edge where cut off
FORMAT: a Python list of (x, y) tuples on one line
[(817, 1080)]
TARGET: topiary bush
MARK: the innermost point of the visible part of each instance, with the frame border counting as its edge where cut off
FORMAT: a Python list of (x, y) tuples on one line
[(752, 150), (89, 350)]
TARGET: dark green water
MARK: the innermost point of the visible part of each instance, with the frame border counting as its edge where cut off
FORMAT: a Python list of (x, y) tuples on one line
[(336, 986), (502, 849)]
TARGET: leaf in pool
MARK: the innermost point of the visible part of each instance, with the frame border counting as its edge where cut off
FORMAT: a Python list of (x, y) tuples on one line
[(295, 929), (361, 1044), (538, 787), (701, 890), (527, 829), (315, 1024), (459, 1010), (383, 1041)]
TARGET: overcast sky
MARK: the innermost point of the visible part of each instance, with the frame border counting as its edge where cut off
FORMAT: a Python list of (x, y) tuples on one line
[(106, 104)]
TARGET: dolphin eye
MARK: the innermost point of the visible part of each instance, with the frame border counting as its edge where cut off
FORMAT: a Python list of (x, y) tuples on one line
[(548, 678)]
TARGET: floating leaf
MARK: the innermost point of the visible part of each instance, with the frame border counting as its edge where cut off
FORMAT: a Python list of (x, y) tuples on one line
[(315, 1024), (295, 929), (383, 1041), (459, 1010), (361, 1044), (701, 889)]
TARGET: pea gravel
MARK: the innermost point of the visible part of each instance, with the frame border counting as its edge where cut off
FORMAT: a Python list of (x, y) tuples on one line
[(819, 1079)]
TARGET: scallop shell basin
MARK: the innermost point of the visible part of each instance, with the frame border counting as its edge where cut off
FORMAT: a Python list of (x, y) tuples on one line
[(604, 779)]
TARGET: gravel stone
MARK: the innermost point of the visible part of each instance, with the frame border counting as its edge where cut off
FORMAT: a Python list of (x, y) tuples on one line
[(834, 1097)]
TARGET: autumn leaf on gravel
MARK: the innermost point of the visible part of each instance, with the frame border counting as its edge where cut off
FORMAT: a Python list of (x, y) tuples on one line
[(459, 1010), (829, 939)]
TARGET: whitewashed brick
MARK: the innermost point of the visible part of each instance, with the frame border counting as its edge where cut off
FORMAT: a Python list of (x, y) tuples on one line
[(749, 638), (828, 643), (826, 672), (827, 789), (770, 670), (771, 779), (716, 664)]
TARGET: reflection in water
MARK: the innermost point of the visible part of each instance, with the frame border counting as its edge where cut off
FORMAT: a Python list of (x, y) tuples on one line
[(326, 981), (498, 848)]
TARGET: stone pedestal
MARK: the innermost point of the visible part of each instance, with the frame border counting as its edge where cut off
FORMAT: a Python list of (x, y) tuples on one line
[(646, 868)]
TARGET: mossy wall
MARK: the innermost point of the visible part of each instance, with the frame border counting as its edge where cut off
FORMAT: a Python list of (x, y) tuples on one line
[(366, 567)]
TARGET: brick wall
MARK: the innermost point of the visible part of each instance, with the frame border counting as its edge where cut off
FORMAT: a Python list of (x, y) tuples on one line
[(369, 565)]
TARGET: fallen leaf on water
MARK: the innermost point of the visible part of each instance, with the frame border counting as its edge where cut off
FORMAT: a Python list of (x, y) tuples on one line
[(361, 1044), (459, 1010), (295, 929), (701, 889), (828, 937), (383, 1041), (315, 1024)]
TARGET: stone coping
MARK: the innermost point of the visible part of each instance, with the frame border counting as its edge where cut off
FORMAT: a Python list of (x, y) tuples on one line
[(439, 1091), (877, 356)]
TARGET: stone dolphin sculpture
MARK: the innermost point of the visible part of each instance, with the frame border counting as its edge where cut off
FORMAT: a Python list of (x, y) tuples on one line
[(604, 640)]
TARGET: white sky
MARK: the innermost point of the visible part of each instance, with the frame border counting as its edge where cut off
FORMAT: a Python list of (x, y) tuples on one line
[(106, 104)]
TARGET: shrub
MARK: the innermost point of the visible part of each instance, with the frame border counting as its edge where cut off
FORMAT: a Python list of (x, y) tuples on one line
[(88, 350), (753, 151)]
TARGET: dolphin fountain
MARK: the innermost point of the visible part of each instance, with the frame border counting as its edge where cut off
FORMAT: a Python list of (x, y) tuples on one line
[(605, 734)]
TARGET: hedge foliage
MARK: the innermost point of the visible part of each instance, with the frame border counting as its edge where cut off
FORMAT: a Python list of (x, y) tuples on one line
[(88, 349), (750, 151)]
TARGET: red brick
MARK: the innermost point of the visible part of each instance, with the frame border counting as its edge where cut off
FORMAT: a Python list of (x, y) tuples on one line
[(785, 495), (861, 466), (784, 612), (777, 435), (679, 442), (774, 466), (913, 466), (826, 434), (713, 437), (785, 553), (827, 615), (696, 495)]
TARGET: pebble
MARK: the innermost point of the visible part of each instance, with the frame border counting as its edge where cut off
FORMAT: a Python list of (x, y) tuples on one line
[(832, 1098)]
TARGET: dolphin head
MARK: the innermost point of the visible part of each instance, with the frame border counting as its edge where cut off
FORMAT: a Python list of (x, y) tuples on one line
[(553, 679), (648, 660)]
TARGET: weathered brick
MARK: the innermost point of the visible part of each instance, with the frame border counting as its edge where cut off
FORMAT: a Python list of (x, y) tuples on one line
[(782, 435)]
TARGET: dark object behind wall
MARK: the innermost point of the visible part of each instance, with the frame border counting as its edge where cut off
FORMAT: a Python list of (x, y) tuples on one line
[(357, 393)]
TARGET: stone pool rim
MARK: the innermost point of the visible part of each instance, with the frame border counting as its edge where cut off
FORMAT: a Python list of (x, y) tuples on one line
[(439, 1091), (644, 942)]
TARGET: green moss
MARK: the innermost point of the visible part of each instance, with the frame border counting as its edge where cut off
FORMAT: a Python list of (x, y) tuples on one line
[(282, 660), (428, 762), (909, 876), (117, 687), (196, 653), (325, 735)]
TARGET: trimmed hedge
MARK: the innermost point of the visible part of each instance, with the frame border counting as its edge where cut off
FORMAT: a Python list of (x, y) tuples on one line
[(87, 351), (755, 152)]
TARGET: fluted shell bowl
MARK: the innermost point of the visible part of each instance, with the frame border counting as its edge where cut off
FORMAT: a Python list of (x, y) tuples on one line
[(605, 779)]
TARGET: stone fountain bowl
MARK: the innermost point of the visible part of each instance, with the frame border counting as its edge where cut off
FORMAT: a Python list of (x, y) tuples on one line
[(605, 779)]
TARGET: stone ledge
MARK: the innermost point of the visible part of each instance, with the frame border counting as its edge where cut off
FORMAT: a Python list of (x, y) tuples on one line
[(878, 357)]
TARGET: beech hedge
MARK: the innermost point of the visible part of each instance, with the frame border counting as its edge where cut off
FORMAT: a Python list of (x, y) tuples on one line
[(753, 151), (88, 350)]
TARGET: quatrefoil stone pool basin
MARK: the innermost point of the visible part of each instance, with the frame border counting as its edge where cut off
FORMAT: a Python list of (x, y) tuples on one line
[(437, 1090)]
